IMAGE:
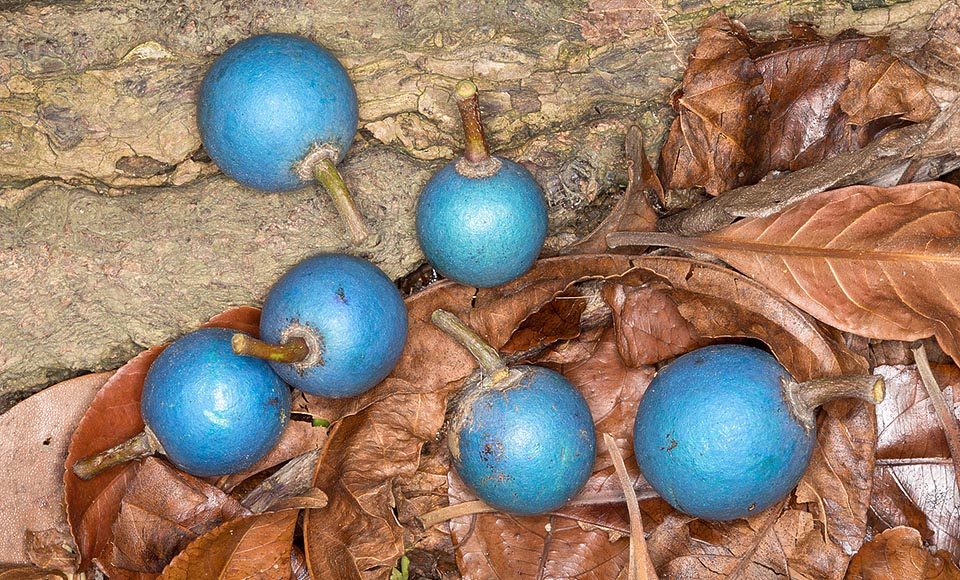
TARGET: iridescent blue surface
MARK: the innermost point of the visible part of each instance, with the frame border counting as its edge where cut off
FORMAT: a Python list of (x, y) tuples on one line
[(714, 436), (482, 232), (267, 101), (214, 412)]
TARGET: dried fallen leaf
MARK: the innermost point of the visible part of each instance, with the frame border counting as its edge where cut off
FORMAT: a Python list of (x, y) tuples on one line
[(916, 483), (878, 262), (649, 325), (748, 108), (33, 445), (161, 512), (256, 546), (899, 554), (52, 549), (17, 572)]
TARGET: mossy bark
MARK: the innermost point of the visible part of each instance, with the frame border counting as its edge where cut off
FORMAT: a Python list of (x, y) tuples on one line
[(117, 233)]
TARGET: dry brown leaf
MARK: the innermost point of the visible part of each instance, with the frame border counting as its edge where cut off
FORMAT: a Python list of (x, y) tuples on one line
[(748, 108), (899, 554), (558, 320), (256, 546), (18, 572), (34, 436), (877, 262), (722, 114), (914, 469), (649, 325), (52, 549), (884, 86), (162, 511)]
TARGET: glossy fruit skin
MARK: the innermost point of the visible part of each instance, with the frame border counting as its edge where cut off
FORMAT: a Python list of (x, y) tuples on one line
[(356, 312), (714, 436), (214, 412), (267, 101), (482, 232), (525, 449)]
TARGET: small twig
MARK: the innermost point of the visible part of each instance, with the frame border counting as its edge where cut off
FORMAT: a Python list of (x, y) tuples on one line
[(640, 566), (947, 421), (467, 508)]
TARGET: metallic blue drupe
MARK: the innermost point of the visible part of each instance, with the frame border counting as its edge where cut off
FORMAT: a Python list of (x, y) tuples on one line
[(715, 437), (214, 412), (526, 448), (267, 102), (484, 231), (351, 315)]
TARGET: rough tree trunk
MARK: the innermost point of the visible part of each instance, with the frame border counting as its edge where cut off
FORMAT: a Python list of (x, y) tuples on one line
[(117, 233)]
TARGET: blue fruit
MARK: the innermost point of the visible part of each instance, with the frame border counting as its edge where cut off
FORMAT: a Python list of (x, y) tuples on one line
[(524, 443), (482, 231), (715, 437), (270, 100), (351, 316), (213, 412)]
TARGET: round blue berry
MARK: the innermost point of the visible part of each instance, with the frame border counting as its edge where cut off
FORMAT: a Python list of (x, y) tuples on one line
[(351, 315), (715, 437), (270, 100), (482, 231), (213, 412), (525, 445)]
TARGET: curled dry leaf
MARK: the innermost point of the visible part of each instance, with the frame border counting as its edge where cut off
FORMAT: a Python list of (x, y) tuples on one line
[(649, 325), (34, 436), (878, 262), (52, 549), (899, 554), (161, 512), (747, 108), (916, 484), (256, 546)]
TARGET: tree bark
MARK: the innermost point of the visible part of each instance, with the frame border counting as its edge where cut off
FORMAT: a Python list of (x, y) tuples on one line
[(118, 233)]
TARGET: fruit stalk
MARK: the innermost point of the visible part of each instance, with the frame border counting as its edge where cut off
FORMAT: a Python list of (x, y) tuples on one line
[(294, 350), (487, 356), (140, 445), (326, 173), (475, 147), (804, 398)]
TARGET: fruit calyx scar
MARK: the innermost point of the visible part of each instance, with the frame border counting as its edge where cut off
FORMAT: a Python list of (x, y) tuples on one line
[(314, 344), (478, 169), (305, 169)]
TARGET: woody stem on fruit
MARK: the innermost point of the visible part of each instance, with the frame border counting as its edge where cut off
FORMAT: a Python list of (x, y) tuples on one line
[(476, 161), (140, 445), (293, 350), (804, 398), (475, 147), (326, 173), (487, 356)]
